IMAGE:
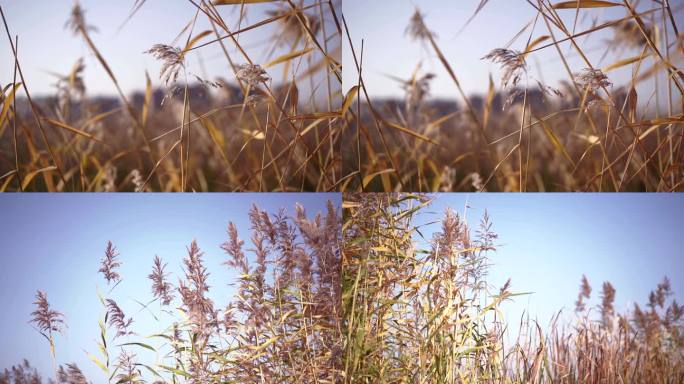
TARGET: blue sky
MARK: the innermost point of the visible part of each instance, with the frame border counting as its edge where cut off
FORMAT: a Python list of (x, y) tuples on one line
[(548, 241), (46, 46), (55, 242), (388, 51)]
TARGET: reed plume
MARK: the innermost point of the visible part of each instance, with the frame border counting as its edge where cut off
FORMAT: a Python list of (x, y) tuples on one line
[(118, 319), (161, 288), (109, 264)]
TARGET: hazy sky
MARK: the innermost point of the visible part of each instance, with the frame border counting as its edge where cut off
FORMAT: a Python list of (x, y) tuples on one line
[(54, 242), (548, 241), (389, 51), (46, 46)]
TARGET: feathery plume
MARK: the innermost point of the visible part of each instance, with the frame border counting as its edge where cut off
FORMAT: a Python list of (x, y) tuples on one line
[(161, 289), (607, 299), (233, 247), (76, 22), (584, 293), (199, 308), (591, 81), (118, 319), (47, 320), (172, 61), (485, 234), (512, 63), (252, 74), (417, 30), (109, 264)]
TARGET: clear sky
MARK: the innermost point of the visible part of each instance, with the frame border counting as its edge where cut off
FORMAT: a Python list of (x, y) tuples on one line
[(548, 241), (46, 46), (389, 51), (55, 242)]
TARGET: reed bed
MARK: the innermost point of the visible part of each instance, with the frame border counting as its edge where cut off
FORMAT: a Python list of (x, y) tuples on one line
[(282, 326), (236, 131), (420, 310), (521, 134)]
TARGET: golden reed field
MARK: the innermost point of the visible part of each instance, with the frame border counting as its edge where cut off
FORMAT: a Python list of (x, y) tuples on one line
[(519, 133), (419, 309)]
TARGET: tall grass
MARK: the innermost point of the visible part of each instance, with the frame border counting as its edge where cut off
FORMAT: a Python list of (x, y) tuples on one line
[(524, 135), (419, 310), (187, 133), (282, 326)]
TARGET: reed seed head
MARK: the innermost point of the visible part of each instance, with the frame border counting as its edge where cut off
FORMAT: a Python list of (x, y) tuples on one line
[(512, 63), (76, 22), (46, 319), (416, 29), (109, 264), (584, 293), (172, 61), (591, 81), (161, 288), (252, 74), (118, 319)]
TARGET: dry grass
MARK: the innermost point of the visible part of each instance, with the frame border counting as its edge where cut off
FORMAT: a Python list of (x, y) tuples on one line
[(590, 135), (282, 326), (419, 310), (246, 133)]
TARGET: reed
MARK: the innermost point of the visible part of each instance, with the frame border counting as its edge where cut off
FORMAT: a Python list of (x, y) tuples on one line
[(237, 131), (282, 325)]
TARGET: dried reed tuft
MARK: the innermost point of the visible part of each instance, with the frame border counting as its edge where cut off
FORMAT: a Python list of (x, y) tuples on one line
[(76, 22), (109, 264), (252, 74), (417, 29), (512, 63), (161, 288), (172, 61), (46, 319), (118, 319)]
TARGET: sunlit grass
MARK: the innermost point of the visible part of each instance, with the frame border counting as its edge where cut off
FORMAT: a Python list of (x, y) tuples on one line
[(525, 135), (418, 309), (246, 133)]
